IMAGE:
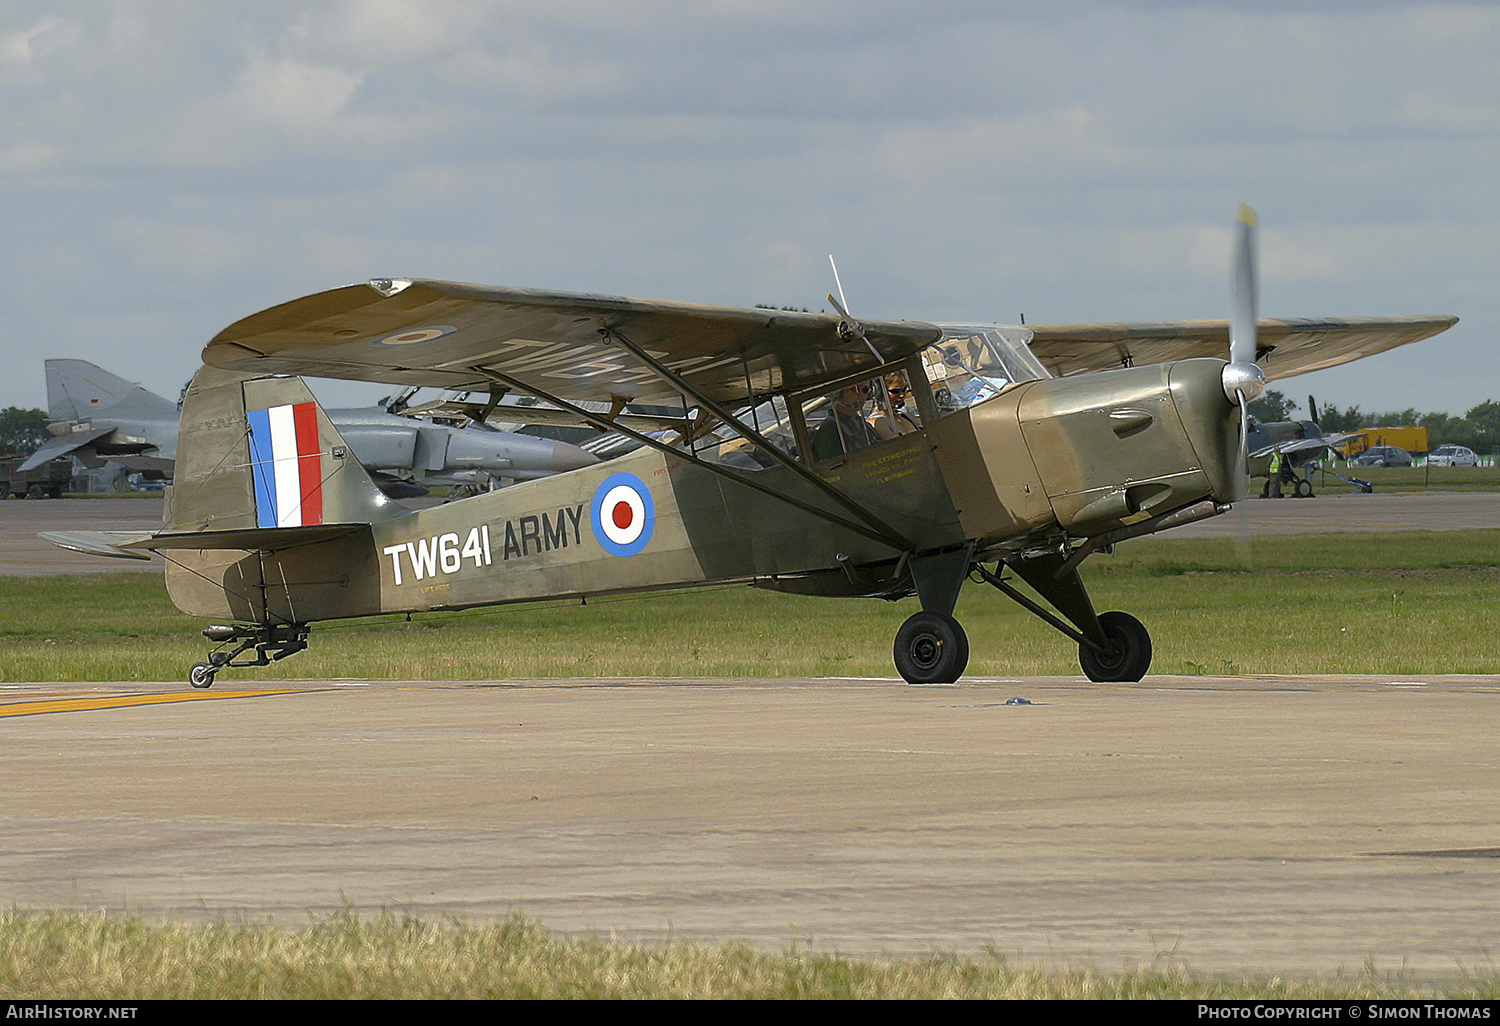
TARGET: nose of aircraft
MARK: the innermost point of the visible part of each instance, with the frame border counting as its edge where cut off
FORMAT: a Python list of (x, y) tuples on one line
[(1115, 447), (1212, 424), (522, 455), (569, 457)]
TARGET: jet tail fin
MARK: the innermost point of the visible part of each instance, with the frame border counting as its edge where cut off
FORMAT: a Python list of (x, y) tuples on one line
[(259, 454), (79, 390)]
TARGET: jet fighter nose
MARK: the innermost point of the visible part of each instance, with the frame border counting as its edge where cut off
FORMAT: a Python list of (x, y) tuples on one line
[(569, 457)]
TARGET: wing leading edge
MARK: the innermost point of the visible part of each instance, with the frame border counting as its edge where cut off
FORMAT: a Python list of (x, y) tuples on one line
[(1286, 347), (449, 335)]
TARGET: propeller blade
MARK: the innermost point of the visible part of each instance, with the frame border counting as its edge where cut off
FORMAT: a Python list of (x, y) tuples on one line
[(850, 328), (1242, 480), (843, 304), (1242, 312), (1243, 380)]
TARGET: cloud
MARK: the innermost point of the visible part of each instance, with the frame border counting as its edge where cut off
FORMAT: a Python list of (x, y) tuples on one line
[(29, 157), (20, 47), (293, 95)]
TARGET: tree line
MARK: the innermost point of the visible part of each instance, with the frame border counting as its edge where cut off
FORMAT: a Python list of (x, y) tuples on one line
[(22, 432)]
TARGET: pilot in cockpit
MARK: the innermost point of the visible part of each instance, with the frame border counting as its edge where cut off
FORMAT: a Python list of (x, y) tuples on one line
[(845, 429)]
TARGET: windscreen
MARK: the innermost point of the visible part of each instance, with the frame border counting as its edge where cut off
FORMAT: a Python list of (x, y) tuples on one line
[(970, 363)]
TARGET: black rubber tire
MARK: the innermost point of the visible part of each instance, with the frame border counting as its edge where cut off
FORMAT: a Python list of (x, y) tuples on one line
[(1129, 656), (931, 648), (1303, 488), (202, 675)]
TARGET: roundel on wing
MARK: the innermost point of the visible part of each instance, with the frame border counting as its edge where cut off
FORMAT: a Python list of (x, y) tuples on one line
[(623, 514), (412, 336)]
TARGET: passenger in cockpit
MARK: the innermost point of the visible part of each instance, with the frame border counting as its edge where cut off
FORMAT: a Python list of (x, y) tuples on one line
[(899, 421)]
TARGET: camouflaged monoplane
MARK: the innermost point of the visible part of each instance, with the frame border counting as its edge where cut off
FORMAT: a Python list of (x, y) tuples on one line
[(1037, 446)]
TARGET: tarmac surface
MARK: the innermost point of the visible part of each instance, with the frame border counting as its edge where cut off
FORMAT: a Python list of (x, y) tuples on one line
[(1293, 825), (23, 554)]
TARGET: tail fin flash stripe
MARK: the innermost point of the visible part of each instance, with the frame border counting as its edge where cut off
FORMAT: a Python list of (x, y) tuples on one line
[(286, 465), (309, 463)]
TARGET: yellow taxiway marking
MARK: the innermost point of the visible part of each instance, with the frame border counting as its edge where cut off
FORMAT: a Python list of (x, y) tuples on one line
[(126, 701)]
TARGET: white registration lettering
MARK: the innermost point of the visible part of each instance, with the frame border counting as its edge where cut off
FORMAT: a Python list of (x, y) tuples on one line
[(441, 552)]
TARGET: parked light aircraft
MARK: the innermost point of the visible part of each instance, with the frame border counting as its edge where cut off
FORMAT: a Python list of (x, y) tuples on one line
[(1302, 443), (1014, 474), (100, 417)]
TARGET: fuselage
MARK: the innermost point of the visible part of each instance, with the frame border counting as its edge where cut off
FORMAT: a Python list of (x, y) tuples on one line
[(1042, 461)]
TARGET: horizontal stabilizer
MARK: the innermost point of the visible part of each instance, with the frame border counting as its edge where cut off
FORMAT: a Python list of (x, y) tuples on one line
[(99, 543), (264, 539), (138, 544), (61, 445)]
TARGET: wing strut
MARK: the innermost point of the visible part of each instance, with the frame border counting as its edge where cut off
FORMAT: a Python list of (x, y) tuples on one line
[(758, 440), (882, 534)]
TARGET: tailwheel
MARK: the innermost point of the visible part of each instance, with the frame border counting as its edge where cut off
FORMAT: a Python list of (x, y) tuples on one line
[(931, 648), (1127, 656), (270, 642)]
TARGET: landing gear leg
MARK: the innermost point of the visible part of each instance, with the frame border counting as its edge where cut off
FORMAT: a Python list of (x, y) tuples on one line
[(1111, 646), (931, 646), (270, 642)]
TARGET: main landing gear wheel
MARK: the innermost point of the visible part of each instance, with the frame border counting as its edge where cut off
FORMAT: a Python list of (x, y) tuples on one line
[(1128, 656), (1303, 488), (931, 648), (202, 675)]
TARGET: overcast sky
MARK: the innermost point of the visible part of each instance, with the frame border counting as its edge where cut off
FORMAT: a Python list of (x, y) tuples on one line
[(170, 166)]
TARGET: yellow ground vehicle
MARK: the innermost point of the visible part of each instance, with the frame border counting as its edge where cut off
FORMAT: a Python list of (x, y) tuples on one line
[(1412, 439)]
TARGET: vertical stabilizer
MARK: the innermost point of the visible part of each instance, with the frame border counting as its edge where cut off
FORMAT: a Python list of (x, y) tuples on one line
[(79, 390), (260, 453)]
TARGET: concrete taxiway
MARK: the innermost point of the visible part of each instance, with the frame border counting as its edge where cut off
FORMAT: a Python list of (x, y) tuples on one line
[(1230, 824)]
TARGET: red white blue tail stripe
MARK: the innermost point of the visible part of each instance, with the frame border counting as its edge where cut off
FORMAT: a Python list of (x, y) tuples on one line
[(286, 465)]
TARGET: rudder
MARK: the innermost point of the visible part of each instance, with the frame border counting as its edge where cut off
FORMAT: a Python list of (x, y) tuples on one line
[(260, 453)]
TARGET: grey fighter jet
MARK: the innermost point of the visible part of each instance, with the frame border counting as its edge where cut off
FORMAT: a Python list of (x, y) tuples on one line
[(100, 417)]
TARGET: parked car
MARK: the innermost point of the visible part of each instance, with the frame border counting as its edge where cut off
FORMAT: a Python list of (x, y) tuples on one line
[(1383, 456), (1452, 456)]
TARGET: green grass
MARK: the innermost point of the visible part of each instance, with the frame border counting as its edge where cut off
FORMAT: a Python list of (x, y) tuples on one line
[(1338, 603), (1406, 479), (125, 958)]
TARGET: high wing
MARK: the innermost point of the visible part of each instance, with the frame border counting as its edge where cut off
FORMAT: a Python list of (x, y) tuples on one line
[(1285, 347), (572, 346)]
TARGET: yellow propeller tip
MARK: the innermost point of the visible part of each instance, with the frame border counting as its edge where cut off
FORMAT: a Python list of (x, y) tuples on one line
[(1247, 215)]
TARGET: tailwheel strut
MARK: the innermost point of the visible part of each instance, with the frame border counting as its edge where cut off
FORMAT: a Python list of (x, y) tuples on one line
[(1112, 646), (270, 642)]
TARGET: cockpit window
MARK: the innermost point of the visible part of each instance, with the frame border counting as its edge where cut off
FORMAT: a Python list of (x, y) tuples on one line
[(971, 363)]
